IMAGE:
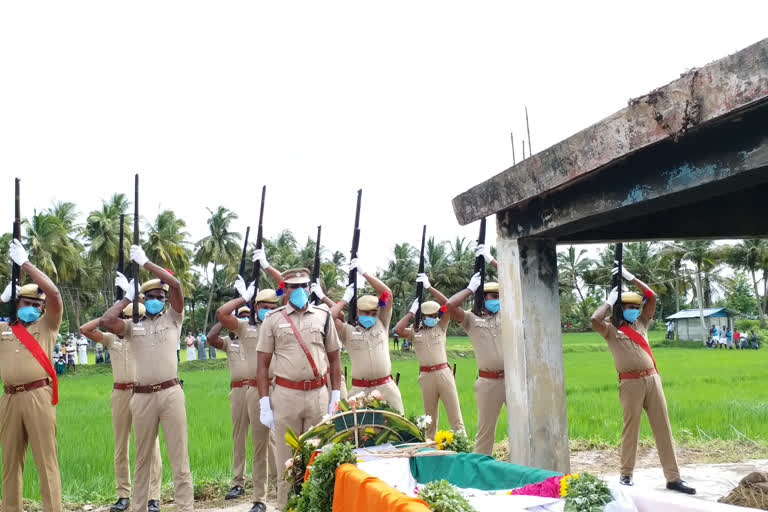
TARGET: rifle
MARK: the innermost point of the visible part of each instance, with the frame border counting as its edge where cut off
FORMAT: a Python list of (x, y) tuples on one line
[(477, 304), (134, 265), (617, 314), (316, 267), (120, 259), (241, 268), (16, 270), (397, 379), (352, 307), (420, 286), (256, 265), (454, 370)]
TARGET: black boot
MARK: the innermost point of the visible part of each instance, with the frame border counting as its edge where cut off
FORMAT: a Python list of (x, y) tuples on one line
[(626, 480), (121, 505), (258, 507), (153, 506), (235, 492), (679, 486)]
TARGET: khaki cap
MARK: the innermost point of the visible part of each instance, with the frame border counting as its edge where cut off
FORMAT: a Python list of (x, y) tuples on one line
[(244, 309), (266, 295), (154, 284), (430, 307), (128, 310), (296, 276), (367, 303), (31, 291), (491, 287), (631, 298)]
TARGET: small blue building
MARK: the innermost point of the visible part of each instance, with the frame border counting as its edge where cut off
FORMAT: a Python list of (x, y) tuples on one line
[(688, 323)]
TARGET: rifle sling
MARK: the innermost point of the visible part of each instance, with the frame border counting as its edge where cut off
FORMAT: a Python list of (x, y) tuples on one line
[(301, 342)]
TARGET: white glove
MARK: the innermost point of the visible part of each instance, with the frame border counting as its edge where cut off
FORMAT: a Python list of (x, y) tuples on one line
[(414, 306), (612, 297), (422, 278), (261, 256), (626, 274), (137, 255), (6, 296), (317, 289), (17, 252), (355, 263), (265, 414), (127, 286), (474, 283), (245, 292), (484, 251), (349, 293), (335, 396)]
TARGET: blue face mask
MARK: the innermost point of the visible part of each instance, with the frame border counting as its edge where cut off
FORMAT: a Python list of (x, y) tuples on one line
[(630, 315), (262, 314), (299, 298), (492, 305), (430, 321), (28, 313), (154, 306), (366, 321)]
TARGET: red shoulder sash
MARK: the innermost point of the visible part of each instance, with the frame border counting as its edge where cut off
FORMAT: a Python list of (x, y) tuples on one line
[(34, 347), (638, 338)]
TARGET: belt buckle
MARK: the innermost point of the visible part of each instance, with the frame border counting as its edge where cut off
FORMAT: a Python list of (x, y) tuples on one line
[(21, 388), (307, 385), (156, 388)]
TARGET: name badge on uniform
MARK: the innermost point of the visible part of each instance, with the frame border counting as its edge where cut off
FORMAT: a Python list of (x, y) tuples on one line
[(280, 326), (480, 321), (138, 329), (235, 345), (357, 333), (417, 335), (117, 344), (252, 328), (7, 333)]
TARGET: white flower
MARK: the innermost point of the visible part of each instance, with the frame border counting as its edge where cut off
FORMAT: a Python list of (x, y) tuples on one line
[(357, 396), (376, 394), (423, 421), (288, 463), (313, 442)]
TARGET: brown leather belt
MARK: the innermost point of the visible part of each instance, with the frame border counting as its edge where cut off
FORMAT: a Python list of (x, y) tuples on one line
[(492, 375), (301, 385), (122, 386), (154, 388), (370, 383), (240, 383), (637, 375), (29, 386), (434, 367)]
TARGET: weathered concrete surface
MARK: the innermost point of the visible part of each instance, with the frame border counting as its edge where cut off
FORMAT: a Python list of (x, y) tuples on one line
[(533, 354), (722, 89)]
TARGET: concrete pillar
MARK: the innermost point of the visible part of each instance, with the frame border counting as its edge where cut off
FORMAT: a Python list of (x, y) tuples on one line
[(533, 353)]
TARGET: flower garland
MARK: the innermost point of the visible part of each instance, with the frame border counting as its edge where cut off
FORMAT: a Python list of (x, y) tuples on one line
[(457, 441), (565, 483)]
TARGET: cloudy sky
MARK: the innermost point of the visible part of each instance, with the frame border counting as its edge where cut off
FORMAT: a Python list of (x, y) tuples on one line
[(411, 101)]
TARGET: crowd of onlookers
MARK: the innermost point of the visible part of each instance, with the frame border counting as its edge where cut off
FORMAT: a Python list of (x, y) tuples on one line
[(724, 337)]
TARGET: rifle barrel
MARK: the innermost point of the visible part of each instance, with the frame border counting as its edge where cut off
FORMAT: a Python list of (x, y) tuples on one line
[(120, 258), (256, 265), (134, 265), (420, 286), (316, 266), (15, 269), (617, 313), (479, 298)]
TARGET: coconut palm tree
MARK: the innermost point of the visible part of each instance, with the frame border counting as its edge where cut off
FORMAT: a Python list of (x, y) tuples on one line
[(699, 253), (102, 231), (400, 275), (750, 255), (573, 268), (167, 244)]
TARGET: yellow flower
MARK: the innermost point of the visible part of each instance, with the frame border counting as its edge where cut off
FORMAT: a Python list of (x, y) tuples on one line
[(565, 484), (443, 438)]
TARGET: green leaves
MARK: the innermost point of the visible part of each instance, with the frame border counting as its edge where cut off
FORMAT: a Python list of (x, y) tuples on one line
[(441, 496)]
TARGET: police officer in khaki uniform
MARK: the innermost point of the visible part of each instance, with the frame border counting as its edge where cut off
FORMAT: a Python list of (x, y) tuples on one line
[(303, 341), (124, 377), (484, 330), (639, 381), (435, 377), (27, 408), (367, 341), (157, 396)]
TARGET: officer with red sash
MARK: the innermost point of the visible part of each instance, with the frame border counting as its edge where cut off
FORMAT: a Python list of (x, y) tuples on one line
[(639, 381), (27, 408)]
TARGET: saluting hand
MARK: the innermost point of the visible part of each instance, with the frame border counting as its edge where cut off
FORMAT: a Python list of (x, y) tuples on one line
[(6, 296), (127, 286), (138, 255), (17, 252), (261, 256)]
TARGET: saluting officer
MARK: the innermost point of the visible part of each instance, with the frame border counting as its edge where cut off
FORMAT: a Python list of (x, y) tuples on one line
[(305, 346), (27, 408), (157, 396), (484, 330), (429, 340), (124, 377), (639, 381), (368, 340)]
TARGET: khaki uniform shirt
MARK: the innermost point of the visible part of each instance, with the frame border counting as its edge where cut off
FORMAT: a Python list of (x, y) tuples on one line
[(289, 361), (429, 344), (153, 343), (17, 364), (249, 336), (237, 358), (369, 348), (485, 333), (121, 358), (628, 356)]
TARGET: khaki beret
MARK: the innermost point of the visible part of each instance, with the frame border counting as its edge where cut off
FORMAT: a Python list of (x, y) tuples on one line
[(128, 310), (631, 298), (31, 291), (296, 276), (244, 309), (430, 307), (154, 284), (266, 295), (491, 287), (367, 303)]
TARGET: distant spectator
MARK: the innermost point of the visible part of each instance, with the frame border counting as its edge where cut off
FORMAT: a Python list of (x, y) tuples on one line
[(395, 341), (753, 341), (737, 339), (99, 353), (201, 346), (190, 342), (729, 338), (670, 330)]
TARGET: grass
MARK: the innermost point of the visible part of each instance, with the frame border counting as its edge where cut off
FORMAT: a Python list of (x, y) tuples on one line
[(710, 394)]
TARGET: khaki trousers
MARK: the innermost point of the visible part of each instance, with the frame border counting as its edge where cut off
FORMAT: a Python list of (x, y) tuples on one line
[(261, 440), (490, 395), (150, 410), (389, 392), (636, 395), (440, 385), (29, 418), (298, 410), (121, 428), (239, 408)]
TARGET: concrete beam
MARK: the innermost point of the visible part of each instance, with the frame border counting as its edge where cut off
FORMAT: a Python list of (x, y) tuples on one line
[(719, 90), (533, 354)]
